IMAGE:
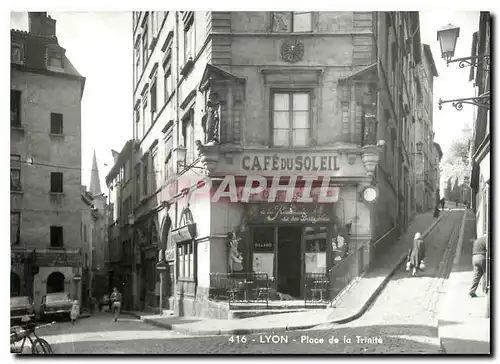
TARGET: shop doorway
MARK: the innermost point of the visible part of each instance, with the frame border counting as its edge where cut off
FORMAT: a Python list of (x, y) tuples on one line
[(15, 285), (289, 260)]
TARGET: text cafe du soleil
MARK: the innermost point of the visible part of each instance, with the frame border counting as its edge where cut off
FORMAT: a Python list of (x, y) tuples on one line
[(298, 163)]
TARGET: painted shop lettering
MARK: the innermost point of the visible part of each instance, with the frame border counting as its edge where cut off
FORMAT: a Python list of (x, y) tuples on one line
[(298, 163)]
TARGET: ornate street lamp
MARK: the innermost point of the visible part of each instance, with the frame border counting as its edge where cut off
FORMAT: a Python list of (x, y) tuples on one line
[(447, 37), (181, 159)]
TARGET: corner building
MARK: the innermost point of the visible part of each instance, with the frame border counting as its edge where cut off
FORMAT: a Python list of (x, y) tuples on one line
[(278, 95), (45, 169)]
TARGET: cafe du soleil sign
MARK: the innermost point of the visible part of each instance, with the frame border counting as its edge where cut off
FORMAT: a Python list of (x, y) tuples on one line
[(297, 163)]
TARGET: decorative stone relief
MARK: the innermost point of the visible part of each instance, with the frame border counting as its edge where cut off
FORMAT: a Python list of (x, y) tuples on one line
[(210, 121), (351, 158), (209, 155), (370, 158), (292, 51)]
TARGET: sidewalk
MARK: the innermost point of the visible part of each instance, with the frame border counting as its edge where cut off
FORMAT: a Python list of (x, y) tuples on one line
[(353, 304), (462, 325)]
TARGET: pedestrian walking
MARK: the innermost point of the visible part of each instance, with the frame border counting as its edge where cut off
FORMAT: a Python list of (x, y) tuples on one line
[(479, 250), (75, 312), (116, 303), (416, 255), (442, 204)]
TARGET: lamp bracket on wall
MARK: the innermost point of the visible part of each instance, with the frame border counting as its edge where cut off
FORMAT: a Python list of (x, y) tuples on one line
[(482, 101), (472, 61)]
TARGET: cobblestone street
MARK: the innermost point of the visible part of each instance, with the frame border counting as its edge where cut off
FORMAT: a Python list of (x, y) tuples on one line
[(401, 320)]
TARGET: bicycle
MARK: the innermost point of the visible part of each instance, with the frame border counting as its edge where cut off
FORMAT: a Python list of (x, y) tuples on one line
[(39, 346)]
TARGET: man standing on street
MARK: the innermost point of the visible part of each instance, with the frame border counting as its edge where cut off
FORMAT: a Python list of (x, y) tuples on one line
[(478, 263), (116, 303)]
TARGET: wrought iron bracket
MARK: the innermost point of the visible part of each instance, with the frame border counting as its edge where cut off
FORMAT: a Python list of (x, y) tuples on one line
[(484, 62), (480, 101)]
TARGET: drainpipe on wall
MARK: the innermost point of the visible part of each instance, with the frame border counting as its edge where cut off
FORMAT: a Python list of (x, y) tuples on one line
[(174, 221)]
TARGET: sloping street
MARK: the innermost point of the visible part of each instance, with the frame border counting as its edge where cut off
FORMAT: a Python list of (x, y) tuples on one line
[(401, 320)]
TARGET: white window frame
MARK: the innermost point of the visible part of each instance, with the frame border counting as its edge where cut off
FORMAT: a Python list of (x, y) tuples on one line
[(290, 120), (292, 15)]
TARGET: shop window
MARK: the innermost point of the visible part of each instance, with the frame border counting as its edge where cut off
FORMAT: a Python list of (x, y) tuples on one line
[(300, 21), (56, 182), (15, 172), (56, 123), (15, 228), (263, 250), (56, 236), (316, 247), (15, 108), (185, 257), (291, 119)]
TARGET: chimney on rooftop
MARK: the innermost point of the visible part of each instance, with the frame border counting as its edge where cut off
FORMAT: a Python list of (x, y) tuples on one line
[(40, 23)]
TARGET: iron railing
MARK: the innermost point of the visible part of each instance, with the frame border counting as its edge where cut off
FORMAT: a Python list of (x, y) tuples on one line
[(345, 272), (240, 287), (385, 243), (316, 287)]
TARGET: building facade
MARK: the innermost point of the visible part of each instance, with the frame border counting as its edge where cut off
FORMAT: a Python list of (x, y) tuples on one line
[(321, 100), (437, 156), (424, 134), (95, 239), (121, 254), (481, 163), (45, 147)]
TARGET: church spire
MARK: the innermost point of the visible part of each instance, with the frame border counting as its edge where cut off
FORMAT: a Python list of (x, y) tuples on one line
[(95, 182)]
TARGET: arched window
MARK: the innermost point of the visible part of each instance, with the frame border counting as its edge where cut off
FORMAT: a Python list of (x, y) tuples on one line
[(55, 282)]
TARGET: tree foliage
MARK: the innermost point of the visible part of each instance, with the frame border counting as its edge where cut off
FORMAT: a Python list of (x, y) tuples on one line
[(459, 151)]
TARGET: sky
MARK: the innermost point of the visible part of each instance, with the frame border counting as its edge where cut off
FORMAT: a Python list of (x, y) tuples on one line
[(99, 44), (453, 82)]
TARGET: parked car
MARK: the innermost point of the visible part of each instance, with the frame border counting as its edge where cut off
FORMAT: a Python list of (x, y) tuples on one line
[(21, 306), (105, 302), (56, 305)]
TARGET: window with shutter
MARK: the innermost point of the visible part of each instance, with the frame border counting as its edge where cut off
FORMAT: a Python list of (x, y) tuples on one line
[(56, 123), (15, 108), (15, 172), (56, 182), (15, 228), (152, 93), (56, 236)]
